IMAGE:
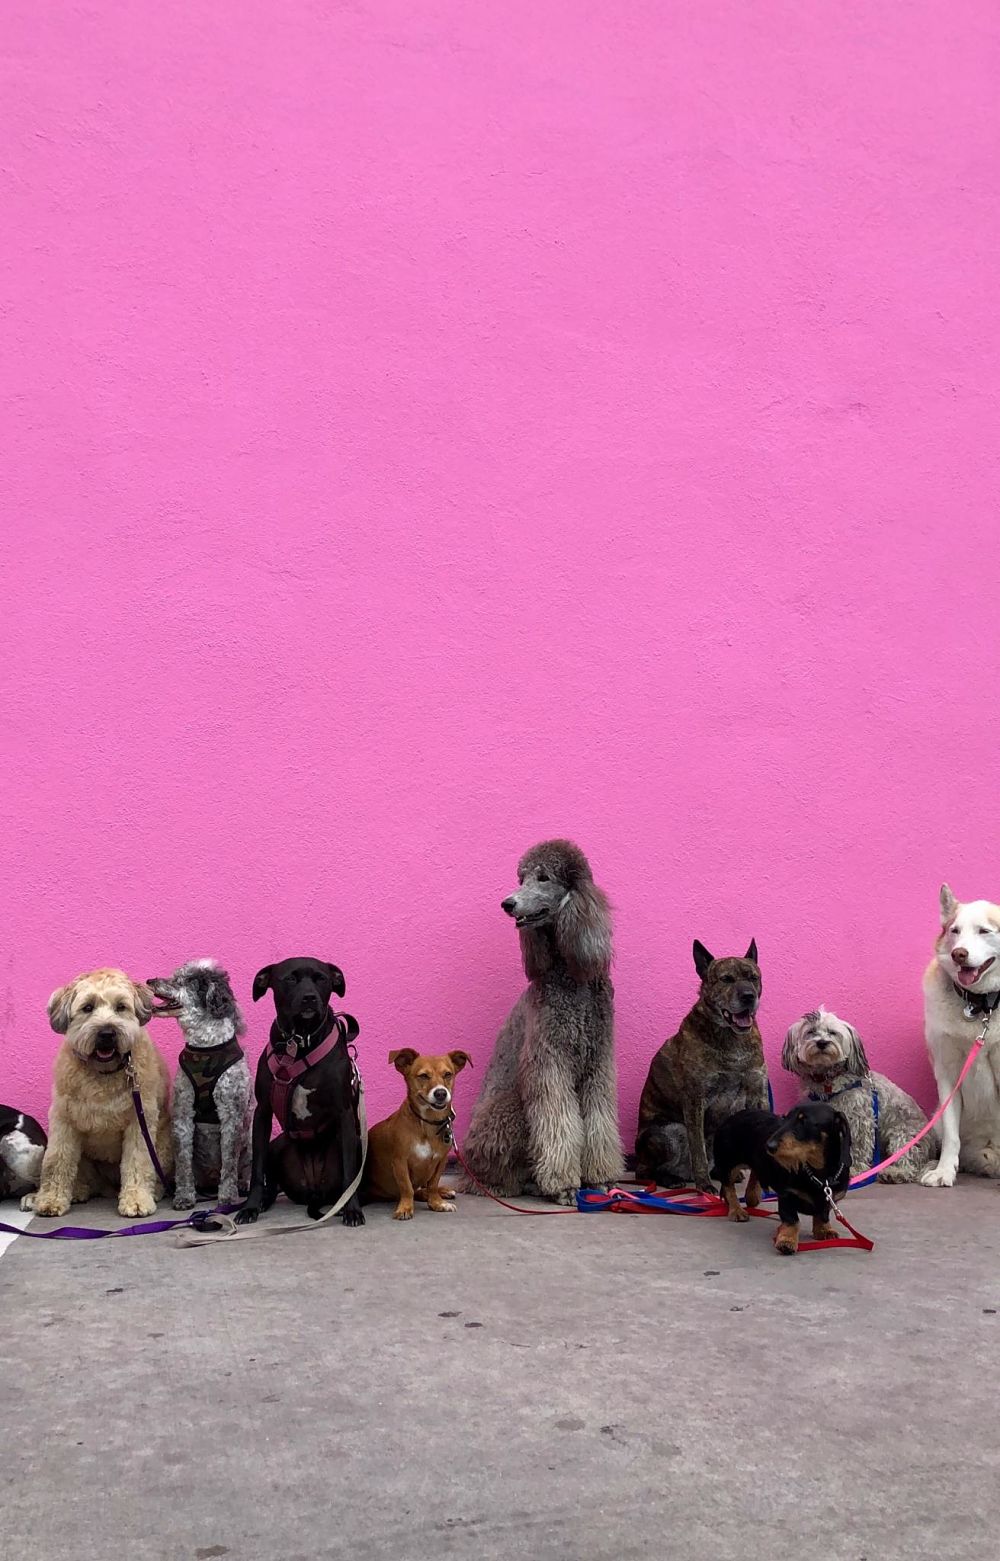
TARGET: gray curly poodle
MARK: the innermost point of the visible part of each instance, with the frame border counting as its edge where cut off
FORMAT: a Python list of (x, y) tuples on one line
[(546, 1119)]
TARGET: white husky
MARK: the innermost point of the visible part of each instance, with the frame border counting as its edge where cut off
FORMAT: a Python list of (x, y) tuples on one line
[(961, 994)]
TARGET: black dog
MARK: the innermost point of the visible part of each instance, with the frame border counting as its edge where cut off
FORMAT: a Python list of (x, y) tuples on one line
[(306, 1078), (800, 1156)]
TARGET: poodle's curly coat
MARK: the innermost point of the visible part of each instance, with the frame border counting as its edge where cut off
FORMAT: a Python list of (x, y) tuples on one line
[(546, 1119)]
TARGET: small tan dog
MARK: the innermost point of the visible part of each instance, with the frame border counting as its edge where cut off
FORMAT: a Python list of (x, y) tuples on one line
[(409, 1150), (92, 1122)]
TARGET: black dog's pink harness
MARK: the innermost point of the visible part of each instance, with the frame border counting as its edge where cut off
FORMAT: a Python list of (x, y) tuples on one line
[(286, 1071)]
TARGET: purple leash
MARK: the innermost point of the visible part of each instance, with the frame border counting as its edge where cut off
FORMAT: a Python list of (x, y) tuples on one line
[(199, 1218), (86, 1233), (165, 1180)]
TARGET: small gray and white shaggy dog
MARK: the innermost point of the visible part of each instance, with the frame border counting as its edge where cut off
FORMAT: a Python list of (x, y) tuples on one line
[(213, 1090), (828, 1056), (546, 1119)]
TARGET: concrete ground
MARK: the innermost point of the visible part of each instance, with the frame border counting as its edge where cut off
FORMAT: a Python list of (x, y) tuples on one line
[(481, 1385)]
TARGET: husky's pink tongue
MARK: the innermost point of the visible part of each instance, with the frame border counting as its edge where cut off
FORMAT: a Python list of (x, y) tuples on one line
[(969, 974)]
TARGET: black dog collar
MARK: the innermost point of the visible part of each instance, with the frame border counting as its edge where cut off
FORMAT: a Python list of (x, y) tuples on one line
[(977, 1004), (443, 1127)]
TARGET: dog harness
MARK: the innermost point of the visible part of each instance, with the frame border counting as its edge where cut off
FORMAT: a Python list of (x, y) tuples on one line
[(204, 1067), (286, 1072), (829, 1093)]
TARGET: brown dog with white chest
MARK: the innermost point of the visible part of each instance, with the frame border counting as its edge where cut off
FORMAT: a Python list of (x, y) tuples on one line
[(408, 1152)]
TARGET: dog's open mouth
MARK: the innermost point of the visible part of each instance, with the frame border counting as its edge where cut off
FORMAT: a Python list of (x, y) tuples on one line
[(105, 1051), (739, 1021), (968, 975), (530, 919)]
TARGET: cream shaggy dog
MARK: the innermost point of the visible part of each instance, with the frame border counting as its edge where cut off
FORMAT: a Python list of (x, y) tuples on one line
[(93, 1130), (961, 995), (828, 1056)]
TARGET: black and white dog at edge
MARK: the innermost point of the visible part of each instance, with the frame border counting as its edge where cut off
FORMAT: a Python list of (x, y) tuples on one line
[(213, 1091)]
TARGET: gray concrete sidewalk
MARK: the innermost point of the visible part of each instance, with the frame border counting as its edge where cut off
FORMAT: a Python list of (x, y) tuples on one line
[(584, 1388)]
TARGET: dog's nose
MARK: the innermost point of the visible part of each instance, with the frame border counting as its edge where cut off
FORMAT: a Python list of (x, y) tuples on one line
[(509, 905), (439, 1095), (822, 1045), (960, 956), (107, 1033)]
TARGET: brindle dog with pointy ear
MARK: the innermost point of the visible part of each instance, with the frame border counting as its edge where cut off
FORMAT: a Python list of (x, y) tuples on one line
[(711, 1068)]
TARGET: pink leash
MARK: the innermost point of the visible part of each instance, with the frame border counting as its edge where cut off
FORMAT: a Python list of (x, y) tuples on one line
[(974, 1051)]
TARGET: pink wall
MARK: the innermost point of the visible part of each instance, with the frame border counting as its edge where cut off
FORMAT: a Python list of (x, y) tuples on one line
[(434, 426)]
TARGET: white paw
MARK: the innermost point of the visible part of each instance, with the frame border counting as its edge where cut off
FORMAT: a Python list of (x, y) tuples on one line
[(939, 1175), (28, 1203), (136, 1205)]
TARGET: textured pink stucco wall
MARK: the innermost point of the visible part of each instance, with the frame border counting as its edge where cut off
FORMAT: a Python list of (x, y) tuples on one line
[(429, 427)]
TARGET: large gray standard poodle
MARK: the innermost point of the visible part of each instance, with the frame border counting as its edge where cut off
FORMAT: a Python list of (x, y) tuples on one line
[(547, 1115)]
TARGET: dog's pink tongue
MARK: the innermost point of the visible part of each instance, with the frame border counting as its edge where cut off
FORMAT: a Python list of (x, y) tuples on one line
[(969, 975)]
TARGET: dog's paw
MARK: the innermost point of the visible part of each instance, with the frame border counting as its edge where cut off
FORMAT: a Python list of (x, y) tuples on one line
[(402, 1214), (939, 1175), (184, 1200), (136, 1205), (566, 1196), (247, 1215), (447, 1192), (50, 1205), (739, 1216), (440, 1207), (704, 1185), (895, 1176), (355, 1217), (28, 1203)]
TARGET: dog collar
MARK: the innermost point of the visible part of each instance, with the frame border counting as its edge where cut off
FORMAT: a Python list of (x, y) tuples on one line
[(829, 1093), (976, 1004), (443, 1127)]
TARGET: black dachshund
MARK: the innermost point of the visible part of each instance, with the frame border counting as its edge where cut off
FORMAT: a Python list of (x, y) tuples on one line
[(805, 1157), (307, 1079)]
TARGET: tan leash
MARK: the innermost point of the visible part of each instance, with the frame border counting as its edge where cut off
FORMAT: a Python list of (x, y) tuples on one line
[(229, 1230)]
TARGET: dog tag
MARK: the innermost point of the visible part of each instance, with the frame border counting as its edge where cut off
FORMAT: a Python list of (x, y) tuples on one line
[(970, 1012)]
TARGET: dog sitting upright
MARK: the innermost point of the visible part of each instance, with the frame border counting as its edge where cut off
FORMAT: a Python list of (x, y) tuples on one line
[(409, 1150), (711, 1068), (306, 1078), (213, 1089), (94, 1134), (828, 1056)]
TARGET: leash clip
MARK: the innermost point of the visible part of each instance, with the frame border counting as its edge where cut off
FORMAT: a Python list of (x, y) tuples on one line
[(986, 1025)]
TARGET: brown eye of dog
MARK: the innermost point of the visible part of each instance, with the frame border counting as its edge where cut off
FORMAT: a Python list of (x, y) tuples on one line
[(86, 1008), (543, 877), (121, 1008)]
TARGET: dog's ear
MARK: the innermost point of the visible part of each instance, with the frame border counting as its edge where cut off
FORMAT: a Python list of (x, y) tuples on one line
[(337, 979), (857, 1060), (949, 904), (403, 1059), (702, 959), (460, 1060), (261, 982), (218, 997), (751, 952), (59, 1006), (789, 1059), (142, 996), (583, 930), (350, 1027)]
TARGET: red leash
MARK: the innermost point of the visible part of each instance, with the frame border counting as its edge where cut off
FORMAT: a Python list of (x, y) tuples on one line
[(487, 1194), (619, 1201)]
